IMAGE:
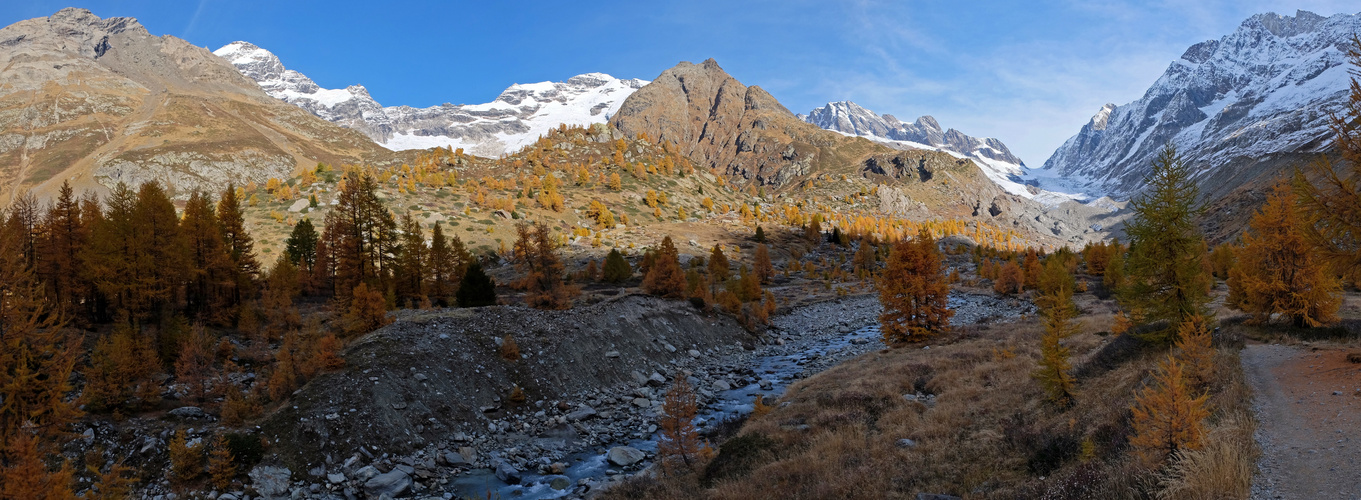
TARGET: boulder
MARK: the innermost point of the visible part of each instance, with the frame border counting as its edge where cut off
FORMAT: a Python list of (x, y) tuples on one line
[(270, 482), (583, 413), (454, 459), (393, 484), (560, 483), (366, 473), (656, 380), (624, 456), (507, 473)]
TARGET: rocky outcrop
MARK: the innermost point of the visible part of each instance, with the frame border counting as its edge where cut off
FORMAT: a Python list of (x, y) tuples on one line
[(98, 101), (741, 131)]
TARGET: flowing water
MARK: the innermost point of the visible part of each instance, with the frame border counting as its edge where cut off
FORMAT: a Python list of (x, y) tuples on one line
[(779, 365)]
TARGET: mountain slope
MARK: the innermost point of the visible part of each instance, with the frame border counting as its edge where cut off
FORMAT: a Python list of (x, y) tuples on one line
[(852, 119), (990, 154), (745, 135), (97, 101), (1239, 108), (742, 131), (517, 118)]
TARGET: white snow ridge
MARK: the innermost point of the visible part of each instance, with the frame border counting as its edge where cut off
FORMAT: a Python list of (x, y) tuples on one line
[(991, 156), (517, 118), (1263, 90)]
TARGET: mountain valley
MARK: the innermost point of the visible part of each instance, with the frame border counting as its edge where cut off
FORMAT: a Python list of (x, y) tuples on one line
[(220, 279)]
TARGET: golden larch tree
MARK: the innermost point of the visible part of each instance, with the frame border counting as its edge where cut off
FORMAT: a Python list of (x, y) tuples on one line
[(665, 277), (1278, 270), (1058, 310), (914, 292), (221, 466), (1194, 349), (1167, 417), (680, 446), (762, 266)]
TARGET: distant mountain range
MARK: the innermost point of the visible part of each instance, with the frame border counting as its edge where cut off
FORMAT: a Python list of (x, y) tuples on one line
[(517, 118), (1239, 108), (990, 154), (98, 101)]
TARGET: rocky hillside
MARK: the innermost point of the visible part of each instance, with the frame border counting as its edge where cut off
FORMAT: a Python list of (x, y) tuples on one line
[(745, 135), (99, 101), (517, 118), (990, 154), (1239, 108), (851, 119)]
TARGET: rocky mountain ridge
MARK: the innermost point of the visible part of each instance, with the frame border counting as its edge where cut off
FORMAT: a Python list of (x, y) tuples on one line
[(744, 134), (98, 101), (852, 119), (518, 117), (997, 162), (1238, 108)]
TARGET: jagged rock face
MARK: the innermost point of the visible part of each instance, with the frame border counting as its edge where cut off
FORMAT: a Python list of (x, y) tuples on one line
[(1230, 106), (851, 119), (517, 118), (742, 131), (98, 101)]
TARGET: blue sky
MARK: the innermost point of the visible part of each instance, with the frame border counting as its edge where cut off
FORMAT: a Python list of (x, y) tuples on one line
[(1028, 73)]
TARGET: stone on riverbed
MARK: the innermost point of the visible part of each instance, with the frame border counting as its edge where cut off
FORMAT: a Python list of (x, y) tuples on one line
[(624, 456)]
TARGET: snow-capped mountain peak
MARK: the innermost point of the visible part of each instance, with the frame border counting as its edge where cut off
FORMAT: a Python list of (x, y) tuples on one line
[(517, 117), (1228, 105), (852, 119), (993, 157), (1100, 119)]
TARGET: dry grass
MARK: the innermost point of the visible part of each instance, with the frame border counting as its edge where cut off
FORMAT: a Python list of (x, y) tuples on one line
[(988, 432), (1222, 469)]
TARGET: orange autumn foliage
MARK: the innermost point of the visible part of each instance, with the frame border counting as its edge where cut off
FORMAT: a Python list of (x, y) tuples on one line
[(913, 291), (1278, 271), (1167, 417)]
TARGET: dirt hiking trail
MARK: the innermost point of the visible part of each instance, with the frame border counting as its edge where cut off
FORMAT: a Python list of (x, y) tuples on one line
[(1308, 405)]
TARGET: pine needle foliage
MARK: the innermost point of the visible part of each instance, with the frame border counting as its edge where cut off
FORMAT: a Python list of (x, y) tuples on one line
[(1165, 274), (914, 292), (616, 268), (665, 277), (1279, 271), (476, 288), (1058, 310), (1167, 416)]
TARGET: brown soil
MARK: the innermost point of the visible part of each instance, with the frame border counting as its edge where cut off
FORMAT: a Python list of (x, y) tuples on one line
[(1308, 402)]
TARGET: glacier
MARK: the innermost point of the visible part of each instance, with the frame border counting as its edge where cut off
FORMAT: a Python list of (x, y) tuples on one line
[(516, 118)]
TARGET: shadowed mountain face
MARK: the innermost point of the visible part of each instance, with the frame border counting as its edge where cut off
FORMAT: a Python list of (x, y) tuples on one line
[(98, 101)]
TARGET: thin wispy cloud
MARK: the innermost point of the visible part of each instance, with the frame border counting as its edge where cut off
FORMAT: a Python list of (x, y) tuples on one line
[(193, 20)]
